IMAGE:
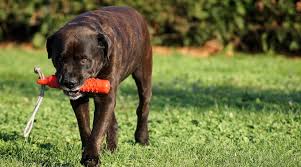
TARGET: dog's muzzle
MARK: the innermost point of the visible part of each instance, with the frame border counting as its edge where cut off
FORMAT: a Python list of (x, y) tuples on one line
[(73, 94)]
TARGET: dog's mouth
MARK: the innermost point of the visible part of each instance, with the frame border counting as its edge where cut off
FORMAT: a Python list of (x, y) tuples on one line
[(72, 94)]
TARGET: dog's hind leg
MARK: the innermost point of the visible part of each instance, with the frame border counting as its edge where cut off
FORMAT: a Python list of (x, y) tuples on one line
[(143, 80)]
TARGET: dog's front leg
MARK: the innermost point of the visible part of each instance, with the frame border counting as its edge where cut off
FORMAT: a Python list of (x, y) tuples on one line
[(81, 110), (104, 108)]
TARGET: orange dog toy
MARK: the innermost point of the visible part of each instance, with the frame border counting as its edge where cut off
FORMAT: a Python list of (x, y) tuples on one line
[(90, 85)]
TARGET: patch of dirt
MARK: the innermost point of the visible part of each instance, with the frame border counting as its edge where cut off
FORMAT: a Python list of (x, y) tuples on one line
[(26, 46), (209, 48)]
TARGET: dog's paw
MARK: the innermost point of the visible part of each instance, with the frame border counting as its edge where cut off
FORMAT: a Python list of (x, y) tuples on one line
[(90, 161), (141, 137), (112, 147)]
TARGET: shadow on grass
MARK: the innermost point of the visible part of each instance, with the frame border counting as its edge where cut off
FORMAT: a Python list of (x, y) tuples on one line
[(17, 148), (230, 96), (183, 94), (12, 136)]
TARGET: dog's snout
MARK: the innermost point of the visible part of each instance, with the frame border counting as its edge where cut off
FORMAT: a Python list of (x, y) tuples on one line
[(70, 83)]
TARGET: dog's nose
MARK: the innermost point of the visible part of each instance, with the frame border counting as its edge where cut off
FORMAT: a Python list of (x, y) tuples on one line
[(71, 83)]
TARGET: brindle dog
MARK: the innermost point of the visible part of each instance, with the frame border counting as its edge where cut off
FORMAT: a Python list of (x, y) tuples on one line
[(110, 43)]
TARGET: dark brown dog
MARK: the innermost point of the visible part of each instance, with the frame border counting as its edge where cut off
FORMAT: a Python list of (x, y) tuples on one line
[(110, 43)]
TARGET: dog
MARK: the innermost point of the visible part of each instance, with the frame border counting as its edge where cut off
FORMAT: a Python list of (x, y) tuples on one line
[(109, 43)]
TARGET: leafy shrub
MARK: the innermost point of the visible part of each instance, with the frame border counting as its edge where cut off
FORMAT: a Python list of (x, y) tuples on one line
[(254, 25)]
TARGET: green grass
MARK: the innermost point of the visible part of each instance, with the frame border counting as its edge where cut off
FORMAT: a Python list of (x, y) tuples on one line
[(219, 111)]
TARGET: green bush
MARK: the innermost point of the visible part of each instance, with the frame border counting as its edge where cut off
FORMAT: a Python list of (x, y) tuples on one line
[(252, 25)]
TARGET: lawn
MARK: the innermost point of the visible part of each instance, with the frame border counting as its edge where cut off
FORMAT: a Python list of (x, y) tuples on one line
[(217, 111)]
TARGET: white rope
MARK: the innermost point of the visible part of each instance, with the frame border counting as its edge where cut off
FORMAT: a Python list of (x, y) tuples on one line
[(30, 122)]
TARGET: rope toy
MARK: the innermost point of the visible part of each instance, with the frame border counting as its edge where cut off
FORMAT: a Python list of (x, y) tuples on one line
[(90, 85), (30, 122)]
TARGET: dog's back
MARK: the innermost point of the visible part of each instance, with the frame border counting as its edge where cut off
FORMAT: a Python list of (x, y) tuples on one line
[(127, 30)]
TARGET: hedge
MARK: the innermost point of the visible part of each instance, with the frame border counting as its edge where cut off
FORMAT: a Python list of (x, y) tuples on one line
[(251, 25)]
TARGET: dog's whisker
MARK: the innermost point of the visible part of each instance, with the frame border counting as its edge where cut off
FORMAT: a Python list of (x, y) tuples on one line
[(60, 78)]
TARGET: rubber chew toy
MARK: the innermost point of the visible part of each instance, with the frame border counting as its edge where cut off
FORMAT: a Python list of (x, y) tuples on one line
[(92, 85)]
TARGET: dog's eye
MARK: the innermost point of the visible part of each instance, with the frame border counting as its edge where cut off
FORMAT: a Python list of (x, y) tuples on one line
[(83, 61)]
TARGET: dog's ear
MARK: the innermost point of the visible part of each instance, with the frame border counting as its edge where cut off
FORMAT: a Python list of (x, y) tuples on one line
[(49, 46), (104, 43)]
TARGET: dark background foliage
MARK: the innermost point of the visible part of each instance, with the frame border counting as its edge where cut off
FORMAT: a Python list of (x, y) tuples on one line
[(249, 25)]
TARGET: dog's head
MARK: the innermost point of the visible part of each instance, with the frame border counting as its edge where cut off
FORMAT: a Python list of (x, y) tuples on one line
[(77, 53)]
